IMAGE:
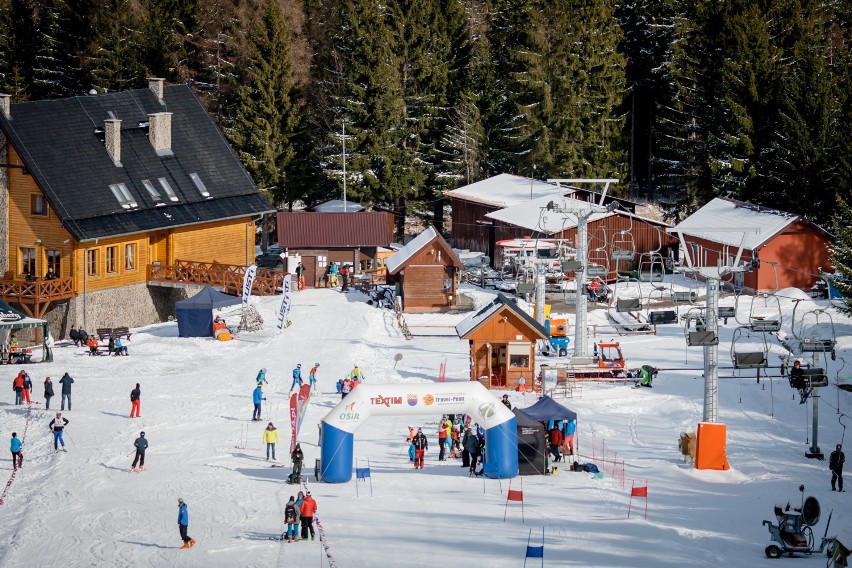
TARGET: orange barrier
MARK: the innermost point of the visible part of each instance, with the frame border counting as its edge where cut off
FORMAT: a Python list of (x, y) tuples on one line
[(711, 448)]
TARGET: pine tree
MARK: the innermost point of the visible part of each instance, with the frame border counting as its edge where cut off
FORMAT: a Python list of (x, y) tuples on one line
[(266, 115), (115, 61), (58, 71), (166, 22), (841, 252)]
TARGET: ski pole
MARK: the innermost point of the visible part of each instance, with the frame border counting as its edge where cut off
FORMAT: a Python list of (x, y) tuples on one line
[(70, 439)]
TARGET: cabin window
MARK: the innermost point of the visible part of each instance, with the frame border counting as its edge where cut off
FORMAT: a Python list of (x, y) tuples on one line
[(123, 196), (130, 256), (28, 261), (92, 262), (519, 355), (38, 205), (111, 259), (322, 261), (53, 262)]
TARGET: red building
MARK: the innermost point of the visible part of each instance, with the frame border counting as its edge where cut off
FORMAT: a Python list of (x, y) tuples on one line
[(791, 249)]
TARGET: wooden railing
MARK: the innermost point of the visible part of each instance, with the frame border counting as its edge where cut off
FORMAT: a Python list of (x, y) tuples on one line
[(228, 277), (39, 291)]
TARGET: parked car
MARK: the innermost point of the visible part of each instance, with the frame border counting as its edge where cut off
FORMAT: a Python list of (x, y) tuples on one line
[(271, 258)]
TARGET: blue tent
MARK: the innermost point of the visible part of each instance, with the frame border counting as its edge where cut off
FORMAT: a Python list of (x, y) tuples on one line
[(195, 315), (548, 409)]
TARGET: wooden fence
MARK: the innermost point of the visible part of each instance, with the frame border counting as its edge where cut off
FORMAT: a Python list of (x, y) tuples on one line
[(228, 277)]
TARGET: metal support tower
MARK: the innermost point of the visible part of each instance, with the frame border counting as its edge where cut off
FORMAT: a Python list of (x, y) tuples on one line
[(581, 325), (711, 353), (539, 293)]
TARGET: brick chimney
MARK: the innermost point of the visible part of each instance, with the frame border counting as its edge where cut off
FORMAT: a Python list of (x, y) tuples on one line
[(5, 105), (156, 85), (112, 139), (160, 132)]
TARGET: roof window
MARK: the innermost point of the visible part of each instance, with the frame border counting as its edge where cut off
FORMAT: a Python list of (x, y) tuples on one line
[(122, 195), (199, 185), (164, 183), (152, 191)]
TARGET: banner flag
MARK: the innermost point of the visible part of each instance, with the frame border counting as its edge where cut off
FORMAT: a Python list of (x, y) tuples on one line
[(248, 282), (284, 308)]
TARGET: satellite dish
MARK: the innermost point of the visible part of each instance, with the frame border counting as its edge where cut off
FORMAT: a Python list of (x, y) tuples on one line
[(397, 357)]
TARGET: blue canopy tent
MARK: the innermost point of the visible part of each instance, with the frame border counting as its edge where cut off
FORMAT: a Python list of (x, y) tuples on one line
[(195, 315), (548, 409)]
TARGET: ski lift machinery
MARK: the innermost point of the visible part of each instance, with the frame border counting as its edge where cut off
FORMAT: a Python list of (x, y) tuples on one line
[(711, 448)]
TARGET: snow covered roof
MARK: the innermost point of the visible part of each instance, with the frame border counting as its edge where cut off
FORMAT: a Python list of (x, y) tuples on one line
[(505, 190), (336, 206), (760, 224), (401, 257), (482, 315), (533, 215)]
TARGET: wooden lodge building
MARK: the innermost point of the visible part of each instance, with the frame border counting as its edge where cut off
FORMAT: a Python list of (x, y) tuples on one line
[(104, 198), (792, 250), (426, 273), (502, 340)]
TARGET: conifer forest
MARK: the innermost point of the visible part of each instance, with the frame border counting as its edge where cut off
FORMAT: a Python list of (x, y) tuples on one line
[(681, 100)]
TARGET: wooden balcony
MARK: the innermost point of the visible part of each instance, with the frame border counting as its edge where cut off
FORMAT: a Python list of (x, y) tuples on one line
[(225, 277), (35, 297)]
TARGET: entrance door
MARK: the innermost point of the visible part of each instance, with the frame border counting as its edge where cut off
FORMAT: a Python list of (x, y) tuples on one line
[(310, 265), (498, 365), (160, 248)]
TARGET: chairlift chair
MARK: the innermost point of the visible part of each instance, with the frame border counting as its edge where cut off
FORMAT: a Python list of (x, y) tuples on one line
[(598, 257), (822, 337), (651, 264), (627, 295), (697, 335), (624, 248), (743, 359)]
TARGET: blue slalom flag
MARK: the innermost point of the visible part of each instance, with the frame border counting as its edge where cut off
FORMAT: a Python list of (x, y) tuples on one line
[(535, 551), (362, 472)]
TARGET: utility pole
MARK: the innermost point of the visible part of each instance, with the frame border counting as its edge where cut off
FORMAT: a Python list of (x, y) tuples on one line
[(344, 165)]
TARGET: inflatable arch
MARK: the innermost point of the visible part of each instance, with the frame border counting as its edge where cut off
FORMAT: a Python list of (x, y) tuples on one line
[(366, 401)]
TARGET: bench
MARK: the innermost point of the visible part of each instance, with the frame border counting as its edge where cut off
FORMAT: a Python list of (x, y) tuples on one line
[(105, 332), (102, 350)]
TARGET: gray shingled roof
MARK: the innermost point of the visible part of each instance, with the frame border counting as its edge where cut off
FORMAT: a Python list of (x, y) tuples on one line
[(57, 141)]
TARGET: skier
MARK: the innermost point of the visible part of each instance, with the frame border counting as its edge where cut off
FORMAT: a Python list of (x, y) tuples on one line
[(346, 387), (300, 274), (332, 275), (835, 464), (17, 455), (18, 387), (797, 380), (339, 385), (506, 402), (442, 440), (48, 392), (556, 439), (141, 445), (300, 498), (290, 519), (297, 377), (261, 378), (357, 374), (66, 382), (312, 376), (28, 387), (270, 438), (648, 374), (57, 425), (309, 507), (257, 397), (298, 458), (183, 524), (569, 436), (421, 444), (135, 403), (470, 455)]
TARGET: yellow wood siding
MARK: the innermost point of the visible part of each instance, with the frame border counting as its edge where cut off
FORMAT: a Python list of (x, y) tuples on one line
[(25, 229), (225, 242), (122, 276)]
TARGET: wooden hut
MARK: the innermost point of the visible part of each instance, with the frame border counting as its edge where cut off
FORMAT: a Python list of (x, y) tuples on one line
[(502, 341), (426, 273), (791, 249)]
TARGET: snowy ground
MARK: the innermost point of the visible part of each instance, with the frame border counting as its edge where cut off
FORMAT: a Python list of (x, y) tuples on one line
[(84, 508)]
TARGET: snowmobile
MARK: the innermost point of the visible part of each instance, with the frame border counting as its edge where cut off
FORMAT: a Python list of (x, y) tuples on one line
[(793, 533)]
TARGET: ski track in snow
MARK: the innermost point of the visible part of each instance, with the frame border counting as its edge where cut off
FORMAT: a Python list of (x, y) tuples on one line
[(84, 507)]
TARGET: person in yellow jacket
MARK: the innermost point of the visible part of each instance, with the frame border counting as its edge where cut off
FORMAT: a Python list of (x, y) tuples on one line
[(448, 430), (270, 438)]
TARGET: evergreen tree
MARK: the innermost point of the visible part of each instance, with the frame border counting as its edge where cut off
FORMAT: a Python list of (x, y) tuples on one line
[(167, 21), (6, 39), (841, 252), (21, 41), (115, 62), (266, 115), (58, 71)]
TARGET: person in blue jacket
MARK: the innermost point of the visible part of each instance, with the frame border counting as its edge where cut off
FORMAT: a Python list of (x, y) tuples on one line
[(257, 398), (297, 377), (261, 377), (183, 524), (17, 456)]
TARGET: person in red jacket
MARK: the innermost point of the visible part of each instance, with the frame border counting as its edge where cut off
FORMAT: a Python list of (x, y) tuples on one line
[(309, 507), (18, 386), (556, 439)]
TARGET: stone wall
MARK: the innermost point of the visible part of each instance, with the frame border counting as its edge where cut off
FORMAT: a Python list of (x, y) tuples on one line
[(135, 305)]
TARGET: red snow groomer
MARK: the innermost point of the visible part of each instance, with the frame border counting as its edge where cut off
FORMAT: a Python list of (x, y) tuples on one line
[(793, 533)]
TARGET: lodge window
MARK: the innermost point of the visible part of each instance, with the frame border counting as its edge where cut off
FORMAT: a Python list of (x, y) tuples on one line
[(111, 257), (130, 256), (92, 262), (519, 355), (38, 205), (28, 261), (53, 262)]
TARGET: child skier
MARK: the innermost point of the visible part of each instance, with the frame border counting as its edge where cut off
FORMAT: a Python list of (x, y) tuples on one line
[(257, 398), (270, 438), (290, 519), (18, 456), (648, 374), (312, 376), (421, 444), (297, 377), (141, 445), (57, 425)]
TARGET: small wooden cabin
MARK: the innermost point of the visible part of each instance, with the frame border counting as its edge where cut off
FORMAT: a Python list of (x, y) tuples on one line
[(502, 341), (426, 272)]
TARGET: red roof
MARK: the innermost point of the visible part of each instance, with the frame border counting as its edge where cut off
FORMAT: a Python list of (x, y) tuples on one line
[(333, 230)]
